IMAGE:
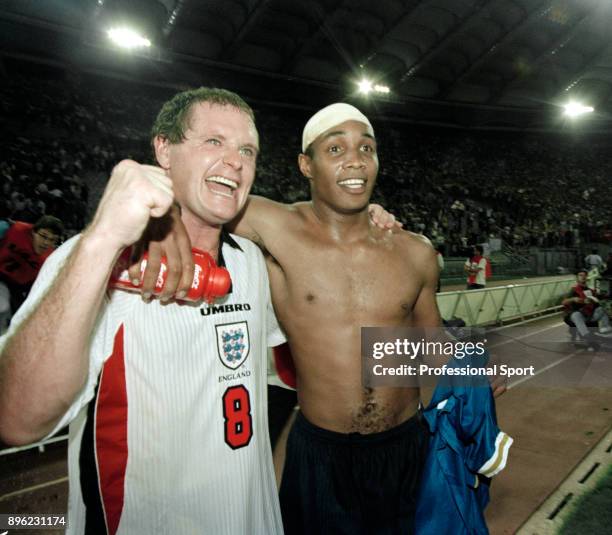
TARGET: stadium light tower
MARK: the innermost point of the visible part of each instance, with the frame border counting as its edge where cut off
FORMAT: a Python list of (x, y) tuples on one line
[(575, 109)]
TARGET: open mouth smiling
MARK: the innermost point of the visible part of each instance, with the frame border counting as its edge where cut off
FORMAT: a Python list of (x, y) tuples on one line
[(221, 185)]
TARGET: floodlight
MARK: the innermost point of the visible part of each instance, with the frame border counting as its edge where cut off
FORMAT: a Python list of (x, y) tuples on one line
[(574, 109), (365, 86), (381, 88), (128, 38)]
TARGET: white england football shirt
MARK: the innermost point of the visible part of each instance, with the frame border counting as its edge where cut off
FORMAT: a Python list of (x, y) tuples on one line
[(170, 434)]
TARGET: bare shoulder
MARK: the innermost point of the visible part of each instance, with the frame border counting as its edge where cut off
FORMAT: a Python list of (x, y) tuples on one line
[(420, 238), (417, 247), (417, 243)]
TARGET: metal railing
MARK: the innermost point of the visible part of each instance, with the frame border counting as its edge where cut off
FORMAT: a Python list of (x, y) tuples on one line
[(503, 304)]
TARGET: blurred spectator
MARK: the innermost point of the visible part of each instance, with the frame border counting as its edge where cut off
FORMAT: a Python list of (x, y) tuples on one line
[(594, 261), (23, 249), (63, 131), (476, 269)]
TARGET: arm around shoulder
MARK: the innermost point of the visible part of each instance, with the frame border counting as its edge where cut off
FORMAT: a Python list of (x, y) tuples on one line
[(259, 218)]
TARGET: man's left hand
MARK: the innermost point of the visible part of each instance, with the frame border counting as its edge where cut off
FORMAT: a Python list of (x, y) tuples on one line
[(164, 237), (499, 385), (383, 219)]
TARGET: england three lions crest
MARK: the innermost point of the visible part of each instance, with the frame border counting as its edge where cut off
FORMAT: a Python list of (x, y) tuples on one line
[(233, 343)]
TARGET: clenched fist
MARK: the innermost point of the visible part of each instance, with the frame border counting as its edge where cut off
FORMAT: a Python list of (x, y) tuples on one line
[(133, 195)]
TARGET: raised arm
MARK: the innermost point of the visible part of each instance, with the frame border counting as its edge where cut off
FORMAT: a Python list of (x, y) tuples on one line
[(262, 216), (261, 219), (44, 361)]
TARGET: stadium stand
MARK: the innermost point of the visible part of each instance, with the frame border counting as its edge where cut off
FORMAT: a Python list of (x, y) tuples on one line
[(65, 131)]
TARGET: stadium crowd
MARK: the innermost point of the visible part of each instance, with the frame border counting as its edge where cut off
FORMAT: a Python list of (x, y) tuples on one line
[(66, 131)]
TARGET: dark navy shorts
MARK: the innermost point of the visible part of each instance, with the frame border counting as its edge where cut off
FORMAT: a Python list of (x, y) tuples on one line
[(337, 483)]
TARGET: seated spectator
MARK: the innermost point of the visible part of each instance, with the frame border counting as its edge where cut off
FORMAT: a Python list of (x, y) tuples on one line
[(23, 249), (582, 307)]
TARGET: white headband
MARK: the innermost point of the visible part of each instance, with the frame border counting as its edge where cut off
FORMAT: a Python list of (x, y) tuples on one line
[(330, 116)]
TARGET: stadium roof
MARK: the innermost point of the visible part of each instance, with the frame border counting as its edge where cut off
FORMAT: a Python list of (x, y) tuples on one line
[(475, 63)]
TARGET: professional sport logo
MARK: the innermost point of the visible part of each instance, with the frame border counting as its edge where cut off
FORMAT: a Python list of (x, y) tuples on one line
[(233, 343)]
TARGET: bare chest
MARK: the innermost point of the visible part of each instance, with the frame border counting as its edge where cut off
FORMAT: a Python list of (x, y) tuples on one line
[(371, 283)]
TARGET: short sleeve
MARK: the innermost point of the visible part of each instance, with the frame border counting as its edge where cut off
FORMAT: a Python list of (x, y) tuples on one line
[(47, 275)]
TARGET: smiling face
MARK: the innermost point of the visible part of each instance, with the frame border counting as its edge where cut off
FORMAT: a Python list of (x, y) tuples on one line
[(213, 168), (342, 167)]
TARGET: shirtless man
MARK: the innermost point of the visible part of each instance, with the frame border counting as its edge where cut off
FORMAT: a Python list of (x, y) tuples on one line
[(353, 454)]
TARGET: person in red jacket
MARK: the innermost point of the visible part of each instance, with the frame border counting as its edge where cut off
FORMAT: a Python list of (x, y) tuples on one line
[(476, 269), (23, 250), (582, 307)]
